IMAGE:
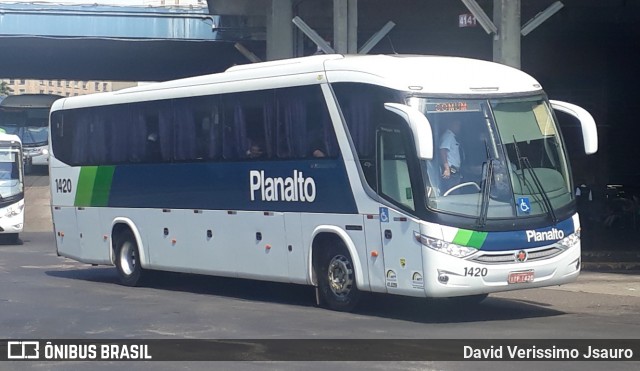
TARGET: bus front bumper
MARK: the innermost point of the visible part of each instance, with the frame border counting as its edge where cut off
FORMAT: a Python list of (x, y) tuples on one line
[(39, 160), (452, 276), (12, 218)]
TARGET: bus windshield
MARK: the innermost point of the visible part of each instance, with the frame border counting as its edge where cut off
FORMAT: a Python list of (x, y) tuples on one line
[(496, 158), (30, 125), (10, 177)]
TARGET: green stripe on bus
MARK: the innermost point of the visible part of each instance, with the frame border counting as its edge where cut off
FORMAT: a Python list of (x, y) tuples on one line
[(462, 237), (102, 186), (477, 239), (84, 189)]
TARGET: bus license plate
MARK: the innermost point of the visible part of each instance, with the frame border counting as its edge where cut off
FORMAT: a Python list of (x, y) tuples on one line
[(520, 277)]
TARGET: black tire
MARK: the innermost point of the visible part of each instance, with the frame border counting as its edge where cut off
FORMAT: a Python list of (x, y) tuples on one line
[(127, 259), (12, 239), (28, 167), (337, 280)]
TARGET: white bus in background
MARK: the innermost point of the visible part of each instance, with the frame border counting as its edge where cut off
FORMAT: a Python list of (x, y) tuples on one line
[(11, 187), (323, 171), (27, 116)]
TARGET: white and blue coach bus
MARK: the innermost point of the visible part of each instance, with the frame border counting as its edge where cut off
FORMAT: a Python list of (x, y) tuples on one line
[(323, 171), (26, 115), (11, 187)]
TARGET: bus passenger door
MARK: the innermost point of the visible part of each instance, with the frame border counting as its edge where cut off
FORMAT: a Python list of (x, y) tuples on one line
[(375, 254), (402, 251)]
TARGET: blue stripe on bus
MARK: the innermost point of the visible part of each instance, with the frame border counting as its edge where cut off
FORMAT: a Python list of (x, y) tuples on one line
[(226, 186)]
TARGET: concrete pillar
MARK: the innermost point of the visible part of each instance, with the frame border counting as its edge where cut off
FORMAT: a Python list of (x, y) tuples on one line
[(353, 27), (279, 30), (506, 45), (345, 26)]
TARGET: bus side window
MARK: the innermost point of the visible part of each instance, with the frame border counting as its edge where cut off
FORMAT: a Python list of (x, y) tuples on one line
[(304, 128), (184, 129)]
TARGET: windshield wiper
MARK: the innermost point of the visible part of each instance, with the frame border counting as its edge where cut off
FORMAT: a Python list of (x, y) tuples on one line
[(486, 190), (524, 163)]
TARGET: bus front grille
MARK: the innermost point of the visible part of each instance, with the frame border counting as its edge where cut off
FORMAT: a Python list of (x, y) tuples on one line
[(510, 257)]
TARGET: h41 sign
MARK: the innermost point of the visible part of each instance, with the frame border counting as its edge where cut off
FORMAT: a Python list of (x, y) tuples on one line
[(467, 20)]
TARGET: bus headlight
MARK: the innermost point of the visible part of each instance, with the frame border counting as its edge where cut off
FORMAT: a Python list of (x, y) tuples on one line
[(444, 246), (14, 210), (571, 240)]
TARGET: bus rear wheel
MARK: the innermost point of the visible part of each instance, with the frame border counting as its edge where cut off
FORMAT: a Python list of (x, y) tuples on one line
[(337, 281), (128, 264)]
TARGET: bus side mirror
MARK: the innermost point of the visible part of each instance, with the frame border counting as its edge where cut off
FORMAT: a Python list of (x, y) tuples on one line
[(419, 126), (589, 130)]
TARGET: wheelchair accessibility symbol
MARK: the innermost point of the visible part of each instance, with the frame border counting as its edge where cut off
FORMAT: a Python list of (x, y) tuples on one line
[(384, 215), (524, 206)]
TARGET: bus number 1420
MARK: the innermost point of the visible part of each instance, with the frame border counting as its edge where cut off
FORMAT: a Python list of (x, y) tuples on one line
[(63, 185), (475, 272)]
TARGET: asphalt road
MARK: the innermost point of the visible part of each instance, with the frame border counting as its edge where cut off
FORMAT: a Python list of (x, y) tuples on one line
[(43, 296)]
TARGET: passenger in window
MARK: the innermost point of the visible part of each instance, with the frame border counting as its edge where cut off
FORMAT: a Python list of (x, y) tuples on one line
[(318, 148), (153, 147), (256, 149)]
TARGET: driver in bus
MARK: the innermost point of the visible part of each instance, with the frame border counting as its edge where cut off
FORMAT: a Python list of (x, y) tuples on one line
[(450, 155)]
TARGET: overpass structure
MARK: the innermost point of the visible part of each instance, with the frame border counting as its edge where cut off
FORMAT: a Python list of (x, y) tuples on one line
[(91, 42), (160, 43)]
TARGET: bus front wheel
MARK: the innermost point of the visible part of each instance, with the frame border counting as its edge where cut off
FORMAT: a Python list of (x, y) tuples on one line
[(128, 260), (337, 281)]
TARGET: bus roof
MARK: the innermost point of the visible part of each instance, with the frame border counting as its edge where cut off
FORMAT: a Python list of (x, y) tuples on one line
[(421, 74), (29, 101), (432, 74)]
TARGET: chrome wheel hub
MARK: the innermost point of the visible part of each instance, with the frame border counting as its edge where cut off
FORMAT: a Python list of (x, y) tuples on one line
[(340, 275), (128, 258)]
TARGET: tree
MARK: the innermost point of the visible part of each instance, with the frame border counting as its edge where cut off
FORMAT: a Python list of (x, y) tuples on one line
[(5, 89)]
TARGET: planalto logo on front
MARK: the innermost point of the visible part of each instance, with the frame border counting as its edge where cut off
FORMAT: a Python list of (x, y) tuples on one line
[(553, 234), (295, 188)]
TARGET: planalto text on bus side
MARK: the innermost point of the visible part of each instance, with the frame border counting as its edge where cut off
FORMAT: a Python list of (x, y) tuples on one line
[(291, 189)]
